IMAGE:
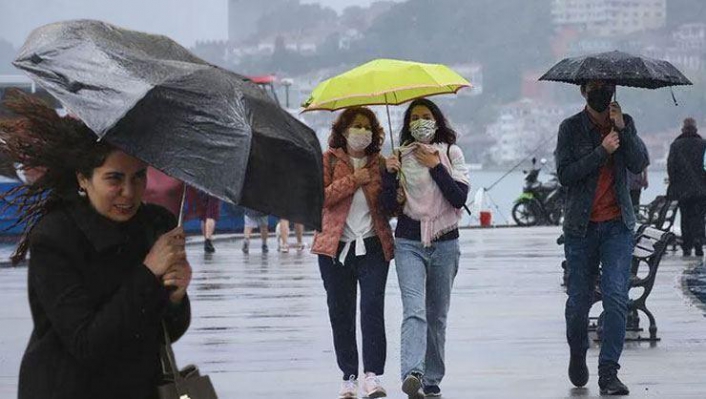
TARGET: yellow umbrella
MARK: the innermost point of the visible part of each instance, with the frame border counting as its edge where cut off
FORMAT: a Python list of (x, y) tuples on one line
[(384, 82)]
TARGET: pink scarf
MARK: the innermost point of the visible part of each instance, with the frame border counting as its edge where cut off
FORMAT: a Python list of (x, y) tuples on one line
[(424, 200)]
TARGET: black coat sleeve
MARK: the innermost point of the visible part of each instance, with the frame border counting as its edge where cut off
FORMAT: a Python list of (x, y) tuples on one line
[(176, 317), (388, 197)]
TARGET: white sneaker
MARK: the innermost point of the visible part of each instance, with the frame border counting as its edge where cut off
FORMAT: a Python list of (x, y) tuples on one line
[(349, 389), (372, 387)]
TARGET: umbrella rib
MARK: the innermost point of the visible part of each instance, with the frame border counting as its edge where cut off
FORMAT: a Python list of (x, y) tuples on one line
[(376, 94), (336, 108)]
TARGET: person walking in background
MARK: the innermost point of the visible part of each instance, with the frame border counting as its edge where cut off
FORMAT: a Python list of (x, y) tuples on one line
[(432, 174), (637, 182), (687, 184), (355, 247), (595, 150), (164, 190), (283, 236), (253, 220), (28, 175), (208, 210)]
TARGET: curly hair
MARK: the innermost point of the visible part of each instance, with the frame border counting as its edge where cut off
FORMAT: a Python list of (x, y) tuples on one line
[(37, 137), (444, 132), (345, 120)]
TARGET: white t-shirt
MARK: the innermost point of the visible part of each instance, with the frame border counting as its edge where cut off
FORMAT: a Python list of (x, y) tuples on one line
[(359, 223)]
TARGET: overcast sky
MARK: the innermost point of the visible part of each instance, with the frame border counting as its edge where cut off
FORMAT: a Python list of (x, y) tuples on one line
[(186, 21)]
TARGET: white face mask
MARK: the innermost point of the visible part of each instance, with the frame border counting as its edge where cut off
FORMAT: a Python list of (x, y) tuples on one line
[(359, 138), (423, 130)]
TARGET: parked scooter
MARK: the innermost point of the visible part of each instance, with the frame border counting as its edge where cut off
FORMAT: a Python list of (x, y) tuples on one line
[(540, 203)]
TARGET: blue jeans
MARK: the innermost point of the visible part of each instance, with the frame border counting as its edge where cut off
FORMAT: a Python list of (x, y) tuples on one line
[(426, 276), (610, 245)]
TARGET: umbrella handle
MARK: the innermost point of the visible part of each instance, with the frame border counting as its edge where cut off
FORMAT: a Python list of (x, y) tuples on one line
[(389, 124), (181, 209)]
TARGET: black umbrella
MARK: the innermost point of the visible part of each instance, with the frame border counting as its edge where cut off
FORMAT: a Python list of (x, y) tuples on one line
[(619, 68), (214, 129)]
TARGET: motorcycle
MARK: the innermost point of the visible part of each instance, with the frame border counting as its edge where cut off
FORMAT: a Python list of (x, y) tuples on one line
[(541, 203)]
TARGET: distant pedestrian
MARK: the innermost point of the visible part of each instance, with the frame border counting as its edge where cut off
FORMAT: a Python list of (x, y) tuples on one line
[(164, 190), (687, 184), (283, 236), (29, 175), (255, 220), (355, 247), (208, 210)]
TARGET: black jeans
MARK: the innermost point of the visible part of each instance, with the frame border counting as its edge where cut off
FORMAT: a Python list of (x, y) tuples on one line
[(693, 223), (341, 283)]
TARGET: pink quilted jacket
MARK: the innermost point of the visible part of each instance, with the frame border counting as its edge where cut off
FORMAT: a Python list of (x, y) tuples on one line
[(339, 187)]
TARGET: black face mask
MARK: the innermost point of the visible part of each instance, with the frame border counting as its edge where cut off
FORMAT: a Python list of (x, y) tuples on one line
[(599, 99)]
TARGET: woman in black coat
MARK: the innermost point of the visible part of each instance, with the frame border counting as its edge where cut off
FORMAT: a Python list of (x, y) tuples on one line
[(105, 272)]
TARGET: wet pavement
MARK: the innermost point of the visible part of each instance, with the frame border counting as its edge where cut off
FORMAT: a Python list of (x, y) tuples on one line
[(260, 326)]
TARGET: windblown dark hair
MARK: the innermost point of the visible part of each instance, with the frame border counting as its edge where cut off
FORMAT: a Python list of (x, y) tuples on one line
[(37, 137), (444, 132), (345, 120)]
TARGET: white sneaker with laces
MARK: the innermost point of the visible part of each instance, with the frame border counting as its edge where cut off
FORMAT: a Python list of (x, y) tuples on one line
[(349, 389), (372, 387)]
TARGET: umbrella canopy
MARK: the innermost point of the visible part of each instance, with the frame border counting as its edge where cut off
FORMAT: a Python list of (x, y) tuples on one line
[(384, 82), (619, 68), (209, 127)]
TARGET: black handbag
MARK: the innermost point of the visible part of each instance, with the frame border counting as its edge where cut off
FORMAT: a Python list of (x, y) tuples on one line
[(185, 384)]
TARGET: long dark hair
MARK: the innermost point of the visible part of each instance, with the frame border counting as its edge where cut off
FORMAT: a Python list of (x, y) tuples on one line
[(444, 132), (345, 120), (37, 137)]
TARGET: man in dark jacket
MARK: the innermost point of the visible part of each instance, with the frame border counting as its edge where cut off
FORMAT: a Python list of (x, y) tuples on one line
[(687, 184), (595, 149)]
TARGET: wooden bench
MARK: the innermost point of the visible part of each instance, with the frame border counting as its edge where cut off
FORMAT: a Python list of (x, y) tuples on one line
[(650, 246)]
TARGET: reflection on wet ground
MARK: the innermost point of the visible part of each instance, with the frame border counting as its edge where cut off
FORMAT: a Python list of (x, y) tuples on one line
[(261, 329), (695, 280)]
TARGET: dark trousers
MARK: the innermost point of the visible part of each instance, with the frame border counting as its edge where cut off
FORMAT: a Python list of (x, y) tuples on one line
[(610, 245), (693, 223), (341, 284)]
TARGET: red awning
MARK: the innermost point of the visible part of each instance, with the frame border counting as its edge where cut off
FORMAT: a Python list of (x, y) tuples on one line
[(263, 79)]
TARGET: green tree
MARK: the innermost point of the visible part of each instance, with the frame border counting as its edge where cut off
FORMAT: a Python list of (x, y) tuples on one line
[(295, 18), (507, 37)]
